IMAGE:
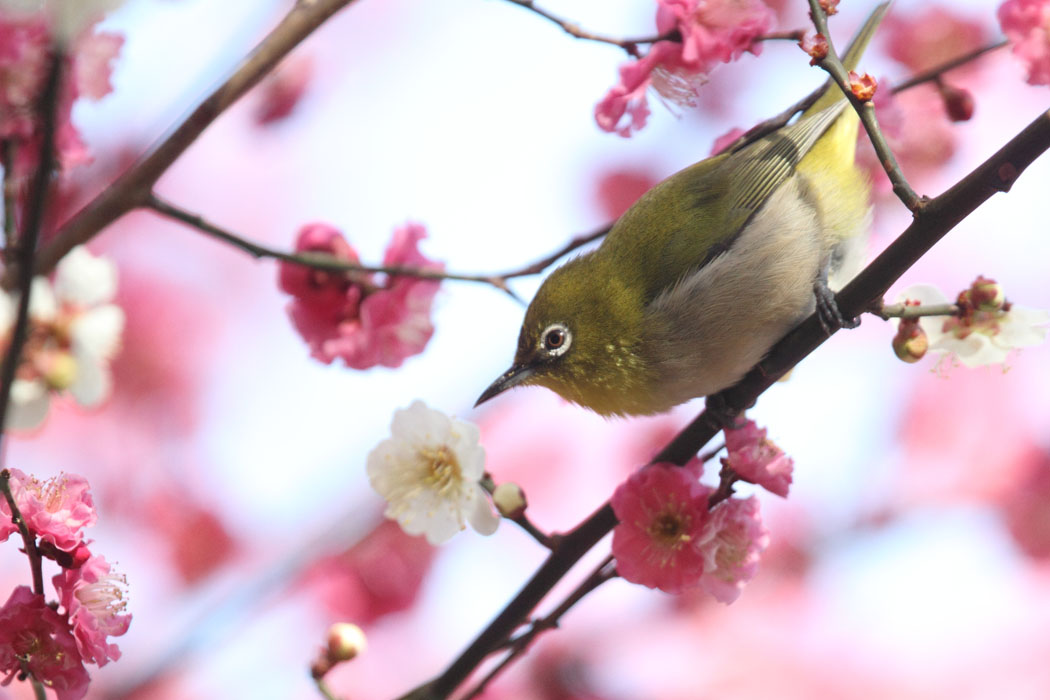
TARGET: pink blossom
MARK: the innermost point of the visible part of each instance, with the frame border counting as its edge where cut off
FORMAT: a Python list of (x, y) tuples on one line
[(732, 553), (362, 323), (92, 598), (31, 630), (931, 36), (619, 189), (663, 518), (757, 459), (1027, 24), (381, 574), (56, 510), (712, 33), (23, 65), (282, 90)]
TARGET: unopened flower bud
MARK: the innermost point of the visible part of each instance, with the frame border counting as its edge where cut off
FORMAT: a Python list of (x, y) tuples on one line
[(509, 499), (958, 103), (345, 641), (862, 86), (816, 46), (910, 344), (59, 370), (986, 294), (830, 7)]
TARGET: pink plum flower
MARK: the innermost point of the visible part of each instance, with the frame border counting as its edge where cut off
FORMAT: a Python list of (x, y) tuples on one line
[(1026, 24), (757, 460), (733, 551), (711, 31), (24, 42), (351, 316), (932, 36), (92, 598), (663, 526), (33, 632), (55, 510)]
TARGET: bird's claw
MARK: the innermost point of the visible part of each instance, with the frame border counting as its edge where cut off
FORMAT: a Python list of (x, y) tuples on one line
[(831, 319)]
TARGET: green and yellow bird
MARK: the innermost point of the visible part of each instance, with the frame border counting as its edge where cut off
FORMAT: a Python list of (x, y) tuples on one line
[(697, 281)]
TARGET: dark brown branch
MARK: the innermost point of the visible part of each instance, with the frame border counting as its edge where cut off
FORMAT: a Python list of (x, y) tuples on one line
[(628, 45), (132, 189), (930, 224), (28, 540), (25, 246), (602, 573)]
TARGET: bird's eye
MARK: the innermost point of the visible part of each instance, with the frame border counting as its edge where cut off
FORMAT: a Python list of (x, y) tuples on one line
[(556, 339)]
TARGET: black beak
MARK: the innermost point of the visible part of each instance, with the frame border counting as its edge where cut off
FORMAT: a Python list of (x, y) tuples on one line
[(509, 379)]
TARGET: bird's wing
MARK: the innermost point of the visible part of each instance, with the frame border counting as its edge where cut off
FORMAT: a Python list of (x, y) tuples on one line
[(696, 214)]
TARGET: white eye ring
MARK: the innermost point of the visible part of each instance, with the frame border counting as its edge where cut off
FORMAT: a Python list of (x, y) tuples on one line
[(556, 339)]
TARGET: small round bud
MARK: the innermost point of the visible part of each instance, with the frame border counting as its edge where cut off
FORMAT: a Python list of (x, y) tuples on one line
[(958, 103), (509, 499), (986, 294), (345, 641), (910, 344), (59, 370), (830, 7), (863, 86)]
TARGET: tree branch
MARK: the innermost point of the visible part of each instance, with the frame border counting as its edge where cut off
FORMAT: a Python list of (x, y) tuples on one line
[(28, 539), (132, 189), (628, 45)]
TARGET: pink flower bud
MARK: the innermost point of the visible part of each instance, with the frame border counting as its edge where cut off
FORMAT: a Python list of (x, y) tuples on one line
[(862, 86), (816, 46), (958, 103), (911, 343)]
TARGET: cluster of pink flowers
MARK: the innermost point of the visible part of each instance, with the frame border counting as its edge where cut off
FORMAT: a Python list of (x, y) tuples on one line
[(710, 31), (53, 641), (24, 60), (353, 315), (1027, 24), (672, 536)]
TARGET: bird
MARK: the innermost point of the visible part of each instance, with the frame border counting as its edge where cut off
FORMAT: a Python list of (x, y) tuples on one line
[(706, 271)]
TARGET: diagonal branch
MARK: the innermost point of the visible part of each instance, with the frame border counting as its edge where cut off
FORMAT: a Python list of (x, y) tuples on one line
[(132, 189)]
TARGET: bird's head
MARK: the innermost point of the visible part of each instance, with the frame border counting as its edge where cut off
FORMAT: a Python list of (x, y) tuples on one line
[(579, 339)]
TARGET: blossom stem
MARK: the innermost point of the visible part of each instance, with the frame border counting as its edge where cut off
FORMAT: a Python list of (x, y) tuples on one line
[(911, 311), (132, 189), (520, 644), (866, 111), (326, 262), (628, 45), (28, 540), (25, 246), (937, 71)]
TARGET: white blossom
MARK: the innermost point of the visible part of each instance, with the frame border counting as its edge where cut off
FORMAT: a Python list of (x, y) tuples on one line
[(429, 472), (991, 336)]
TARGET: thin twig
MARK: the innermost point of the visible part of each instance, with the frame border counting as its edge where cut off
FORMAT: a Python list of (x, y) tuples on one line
[(929, 225), (323, 688), (628, 45), (866, 111), (937, 71), (602, 573), (28, 540), (327, 262), (31, 221), (132, 189), (913, 311), (537, 534)]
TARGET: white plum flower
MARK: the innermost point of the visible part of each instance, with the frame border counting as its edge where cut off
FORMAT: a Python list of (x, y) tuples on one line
[(74, 333), (983, 336), (429, 472)]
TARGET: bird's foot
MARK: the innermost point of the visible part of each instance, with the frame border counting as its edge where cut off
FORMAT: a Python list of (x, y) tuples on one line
[(831, 319), (726, 416)]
